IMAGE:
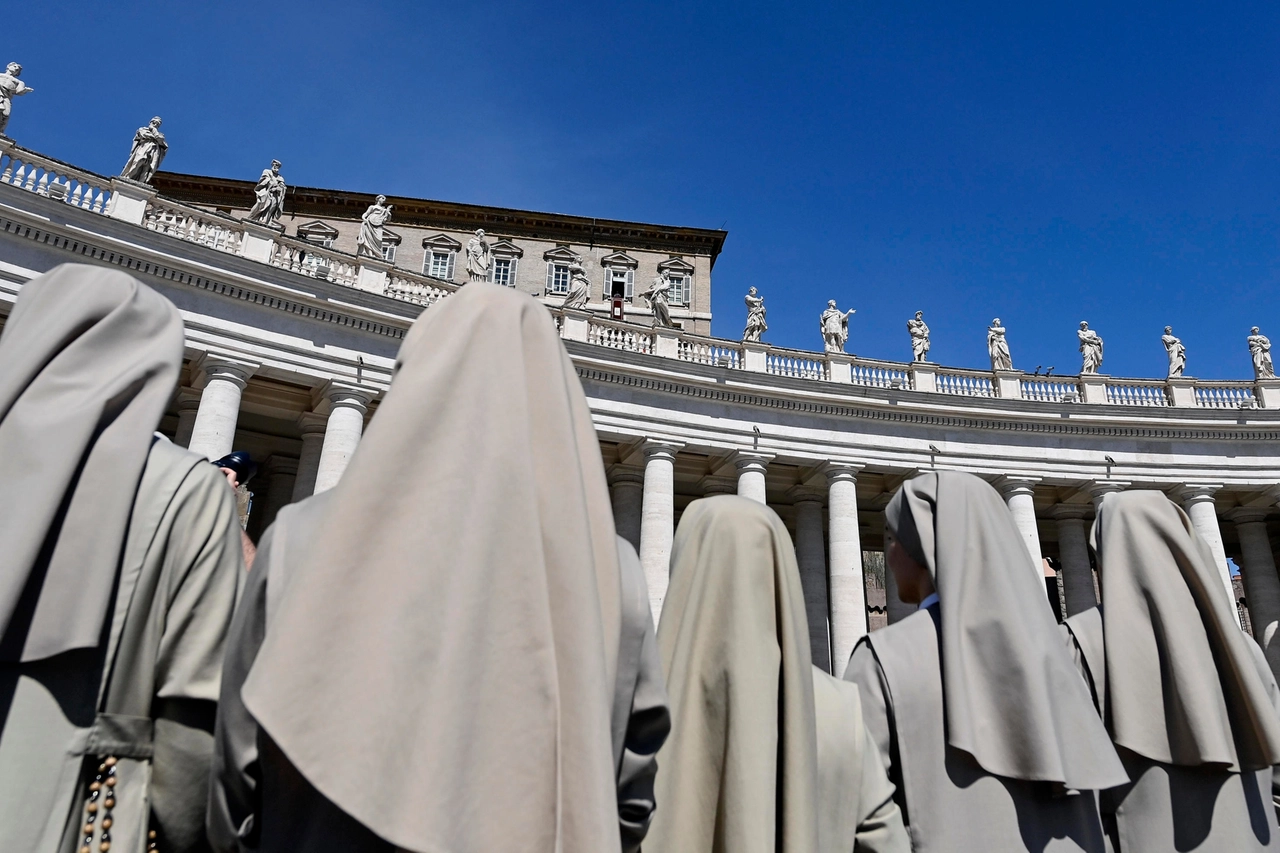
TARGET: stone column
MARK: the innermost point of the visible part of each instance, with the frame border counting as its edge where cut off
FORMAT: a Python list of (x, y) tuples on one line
[(751, 468), (1073, 555), (846, 594), (626, 488), (1020, 494), (214, 431), (1258, 568), (657, 519), (712, 485), (312, 426), (188, 406), (812, 559), (280, 473), (348, 405), (1197, 500), (1099, 489)]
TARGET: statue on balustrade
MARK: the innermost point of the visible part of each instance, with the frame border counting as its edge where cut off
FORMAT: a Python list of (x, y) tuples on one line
[(10, 88), (1090, 348), (149, 148), (579, 287), (998, 346), (268, 205), (1177, 352), (756, 325), (372, 240), (657, 298), (1260, 349), (478, 257), (835, 327), (919, 337)]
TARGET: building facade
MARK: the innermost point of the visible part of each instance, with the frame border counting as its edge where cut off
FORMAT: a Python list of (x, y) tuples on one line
[(287, 358)]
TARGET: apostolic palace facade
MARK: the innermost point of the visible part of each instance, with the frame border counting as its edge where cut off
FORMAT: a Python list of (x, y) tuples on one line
[(293, 326)]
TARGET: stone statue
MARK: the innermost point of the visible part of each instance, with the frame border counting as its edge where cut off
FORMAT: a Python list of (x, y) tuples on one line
[(998, 347), (835, 327), (269, 193), (478, 257), (372, 238), (756, 325), (657, 298), (10, 88), (1177, 352), (579, 287), (919, 337), (1090, 348), (1260, 349), (148, 150)]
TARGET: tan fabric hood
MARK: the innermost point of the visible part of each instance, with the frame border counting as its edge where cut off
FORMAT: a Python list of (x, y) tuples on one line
[(1182, 687), (441, 661), (90, 359), (1014, 700)]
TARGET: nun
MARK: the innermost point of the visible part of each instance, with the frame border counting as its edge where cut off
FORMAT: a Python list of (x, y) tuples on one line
[(449, 650), (1187, 696), (119, 565), (982, 721), (767, 753)]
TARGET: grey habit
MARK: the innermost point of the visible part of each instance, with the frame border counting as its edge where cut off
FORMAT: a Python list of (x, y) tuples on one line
[(1188, 696), (120, 582), (981, 721), (504, 689)]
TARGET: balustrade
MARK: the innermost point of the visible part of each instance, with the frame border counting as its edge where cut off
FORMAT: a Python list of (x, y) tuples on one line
[(1137, 392), (419, 289), (704, 351), (40, 175), (620, 336), (316, 261), (1050, 390), (799, 365), (195, 226), (1225, 395), (879, 374), (966, 383)]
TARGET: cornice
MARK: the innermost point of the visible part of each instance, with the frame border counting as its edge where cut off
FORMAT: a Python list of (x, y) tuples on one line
[(455, 216)]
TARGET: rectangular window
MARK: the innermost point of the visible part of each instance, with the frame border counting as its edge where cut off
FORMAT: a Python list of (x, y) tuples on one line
[(679, 292), (440, 265), (623, 281), (389, 253), (504, 271), (557, 278)]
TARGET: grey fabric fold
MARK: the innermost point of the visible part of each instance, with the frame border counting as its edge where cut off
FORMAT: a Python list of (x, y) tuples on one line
[(90, 359), (1013, 698), (441, 661), (1182, 686)]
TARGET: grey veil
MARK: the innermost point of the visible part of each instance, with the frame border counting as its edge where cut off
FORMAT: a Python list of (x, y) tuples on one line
[(1014, 700)]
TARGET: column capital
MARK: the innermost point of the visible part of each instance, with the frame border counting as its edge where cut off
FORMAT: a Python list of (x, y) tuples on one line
[(619, 473), (229, 368), (1197, 492), (1098, 488), (1071, 512), (806, 494), (837, 471), (653, 448), (744, 460), (1248, 515), (1013, 484), (337, 393)]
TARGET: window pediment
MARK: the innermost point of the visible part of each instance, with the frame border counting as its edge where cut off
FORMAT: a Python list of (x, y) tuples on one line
[(506, 249), (619, 259), (676, 265), (560, 255), (317, 229), (390, 237), (441, 242)]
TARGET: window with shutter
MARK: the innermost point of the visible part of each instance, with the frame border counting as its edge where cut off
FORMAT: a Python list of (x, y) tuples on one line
[(449, 272), (631, 284)]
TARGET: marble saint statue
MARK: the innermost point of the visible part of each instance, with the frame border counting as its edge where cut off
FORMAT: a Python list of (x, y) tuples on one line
[(478, 257), (579, 287), (834, 324), (268, 205), (1177, 352), (372, 238), (657, 298), (756, 326), (1090, 348), (998, 347), (10, 88), (1260, 349), (919, 337), (149, 148)]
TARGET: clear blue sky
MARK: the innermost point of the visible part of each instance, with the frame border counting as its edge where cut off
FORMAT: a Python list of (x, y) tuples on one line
[(1045, 163)]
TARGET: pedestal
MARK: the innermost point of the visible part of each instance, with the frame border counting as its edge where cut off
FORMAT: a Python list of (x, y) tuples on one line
[(1182, 390), (840, 367), (924, 376), (259, 240), (1093, 387), (373, 275), (1008, 384), (129, 200), (577, 324), (1268, 393), (666, 342), (754, 356)]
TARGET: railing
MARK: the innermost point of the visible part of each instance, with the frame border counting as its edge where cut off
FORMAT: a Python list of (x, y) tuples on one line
[(709, 351), (879, 374), (620, 336), (418, 289), (58, 181), (1050, 390), (316, 261), (1137, 392), (1225, 395), (796, 364), (966, 383), (194, 226)]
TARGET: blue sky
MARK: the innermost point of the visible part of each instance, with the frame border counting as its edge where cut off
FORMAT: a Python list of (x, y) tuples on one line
[(1045, 163)]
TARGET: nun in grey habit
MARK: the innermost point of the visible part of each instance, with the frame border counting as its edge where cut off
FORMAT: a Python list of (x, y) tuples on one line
[(1187, 696), (119, 564), (768, 754), (450, 650), (982, 721)]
